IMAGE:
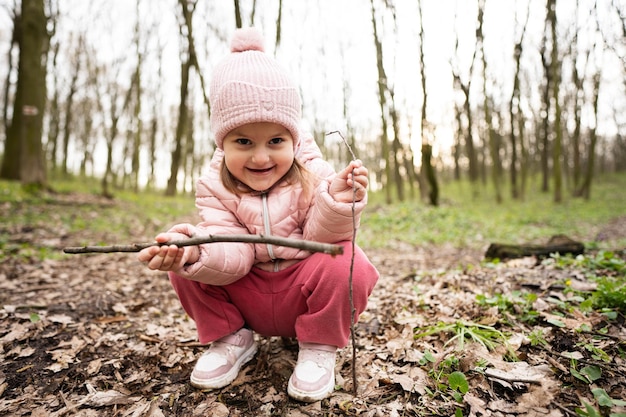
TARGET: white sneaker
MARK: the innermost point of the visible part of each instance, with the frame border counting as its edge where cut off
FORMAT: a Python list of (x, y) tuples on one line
[(313, 378), (220, 365)]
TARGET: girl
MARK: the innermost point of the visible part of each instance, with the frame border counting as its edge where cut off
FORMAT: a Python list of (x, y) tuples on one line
[(267, 177)]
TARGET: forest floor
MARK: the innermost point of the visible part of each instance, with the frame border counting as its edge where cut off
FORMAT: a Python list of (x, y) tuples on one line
[(100, 335)]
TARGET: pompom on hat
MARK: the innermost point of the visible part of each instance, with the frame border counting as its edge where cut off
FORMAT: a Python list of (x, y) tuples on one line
[(249, 86)]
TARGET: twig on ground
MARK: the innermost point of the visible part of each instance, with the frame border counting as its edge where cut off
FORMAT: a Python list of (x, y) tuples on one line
[(199, 240)]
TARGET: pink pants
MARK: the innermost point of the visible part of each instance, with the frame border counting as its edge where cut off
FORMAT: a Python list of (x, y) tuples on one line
[(309, 300)]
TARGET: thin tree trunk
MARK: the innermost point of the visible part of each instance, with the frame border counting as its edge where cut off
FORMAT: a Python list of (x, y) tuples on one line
[(396, 147), (429, 177), (69, 101), (544, 142), (382, 86), (470, 147), (10, 168), (585, 188), (279, 25), (54, 116), (138, 127), (555, 68), (183, 110), (516, 115), (238, 21), (493, 142), (429, 172)]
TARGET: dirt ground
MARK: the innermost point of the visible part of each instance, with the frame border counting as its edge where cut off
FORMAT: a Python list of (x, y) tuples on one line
[(100, 335)]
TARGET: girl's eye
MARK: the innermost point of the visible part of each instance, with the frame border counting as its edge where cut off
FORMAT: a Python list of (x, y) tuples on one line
[(243, 141), (276, 141)]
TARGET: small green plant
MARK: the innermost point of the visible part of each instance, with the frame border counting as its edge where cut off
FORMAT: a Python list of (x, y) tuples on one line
[(608, 270), (518, 303), (449, 381), (604, 400), (487, 336), (537, 338), (586, 374), (596, 352), (457, 382)]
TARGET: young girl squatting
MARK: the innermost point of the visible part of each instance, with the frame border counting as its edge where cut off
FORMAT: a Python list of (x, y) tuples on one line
[(267, 177)]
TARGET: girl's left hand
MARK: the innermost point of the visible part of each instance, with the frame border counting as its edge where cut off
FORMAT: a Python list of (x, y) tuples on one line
[(354, 175)]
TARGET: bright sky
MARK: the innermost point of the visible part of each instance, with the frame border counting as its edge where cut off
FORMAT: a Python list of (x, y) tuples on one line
[(326, 43)]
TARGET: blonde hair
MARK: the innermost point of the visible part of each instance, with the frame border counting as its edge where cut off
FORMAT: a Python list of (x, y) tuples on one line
[(296, 174)]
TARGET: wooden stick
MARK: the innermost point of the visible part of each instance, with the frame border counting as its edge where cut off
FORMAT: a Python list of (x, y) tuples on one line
[(355, 384), (199, 240)]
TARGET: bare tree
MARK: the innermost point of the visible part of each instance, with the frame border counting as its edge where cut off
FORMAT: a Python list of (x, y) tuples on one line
[(24, 154), (54, 111), (9, 169), (516, 116), (382, 100), (465, 88), (279, 26), (117, 101), (555, 69), (584, 189), (69, 101), (493, 140), (137, 121), (428, 182), (238, 21), (188, 57)]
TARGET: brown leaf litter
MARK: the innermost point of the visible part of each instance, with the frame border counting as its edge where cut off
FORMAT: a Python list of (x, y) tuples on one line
[(100, 335)]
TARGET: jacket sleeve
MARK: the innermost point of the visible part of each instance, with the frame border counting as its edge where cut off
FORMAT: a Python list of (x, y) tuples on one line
[(330, 221), (220, 263)]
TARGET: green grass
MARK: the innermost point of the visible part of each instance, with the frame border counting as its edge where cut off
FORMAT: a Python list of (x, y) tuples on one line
[(460, 220), (463, 221), (32, 225)]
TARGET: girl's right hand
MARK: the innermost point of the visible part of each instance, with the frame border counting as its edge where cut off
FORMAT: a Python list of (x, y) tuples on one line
[(168, 257)]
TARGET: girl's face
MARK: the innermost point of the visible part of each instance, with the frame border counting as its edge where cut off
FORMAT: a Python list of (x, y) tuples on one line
[(259, 154)]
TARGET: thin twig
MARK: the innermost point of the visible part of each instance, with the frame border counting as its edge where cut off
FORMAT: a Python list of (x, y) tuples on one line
[(352, 308), (199, 240)]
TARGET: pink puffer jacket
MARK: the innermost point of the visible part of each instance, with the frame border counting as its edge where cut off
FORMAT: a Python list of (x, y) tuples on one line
[(283, 211)]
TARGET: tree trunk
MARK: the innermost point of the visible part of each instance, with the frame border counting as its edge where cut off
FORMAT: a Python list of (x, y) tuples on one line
[(543, 144), (238, 21), (69, 101), (279, 25), (578, 104), (585, 187), (493, 141), (555, 68), (515, 115), (25, 133), (470, 148), (428, 172), (429, 177), (382, 87), (183, 110), (138, 122), (10, 168), (54, 114), (396, 146)]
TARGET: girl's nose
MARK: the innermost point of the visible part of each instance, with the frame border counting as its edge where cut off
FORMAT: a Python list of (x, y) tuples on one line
[(260, 156)]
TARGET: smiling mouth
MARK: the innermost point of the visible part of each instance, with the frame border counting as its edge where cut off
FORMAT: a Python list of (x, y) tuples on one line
[(260, 171)]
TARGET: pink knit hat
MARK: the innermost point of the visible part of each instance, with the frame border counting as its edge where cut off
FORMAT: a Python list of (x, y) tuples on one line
[(250, 86)]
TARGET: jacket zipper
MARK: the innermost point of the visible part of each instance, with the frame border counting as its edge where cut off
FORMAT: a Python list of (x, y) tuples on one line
[(266, 225)]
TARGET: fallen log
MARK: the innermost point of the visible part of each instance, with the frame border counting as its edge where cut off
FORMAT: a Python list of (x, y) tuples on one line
[(559, 244)]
